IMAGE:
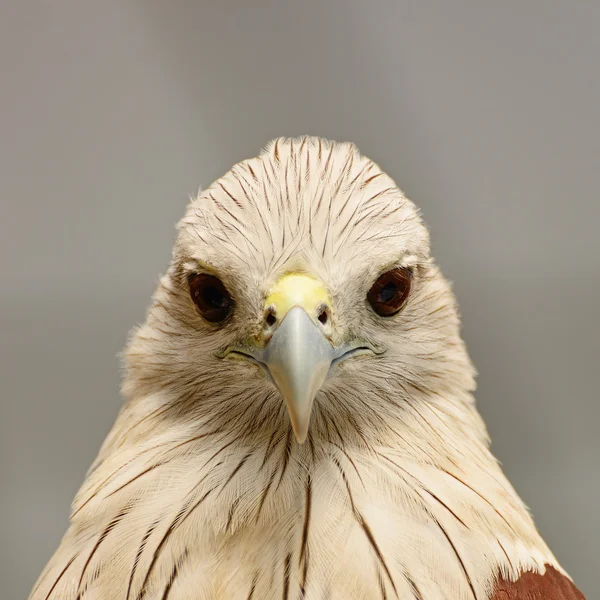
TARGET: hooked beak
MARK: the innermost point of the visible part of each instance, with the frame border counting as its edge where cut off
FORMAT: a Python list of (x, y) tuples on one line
[(298, 358), (296, 350)]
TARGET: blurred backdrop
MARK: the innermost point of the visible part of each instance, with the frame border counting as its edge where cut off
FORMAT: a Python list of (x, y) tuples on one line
[(112, 113)]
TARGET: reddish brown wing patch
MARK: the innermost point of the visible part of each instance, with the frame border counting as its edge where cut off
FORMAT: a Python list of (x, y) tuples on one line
[(552, 585)]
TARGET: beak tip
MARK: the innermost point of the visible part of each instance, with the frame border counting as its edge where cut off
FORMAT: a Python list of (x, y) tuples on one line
[(300, 431), (300, 437)]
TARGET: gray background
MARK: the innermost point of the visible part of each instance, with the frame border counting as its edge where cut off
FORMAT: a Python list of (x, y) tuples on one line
[(113, 112)]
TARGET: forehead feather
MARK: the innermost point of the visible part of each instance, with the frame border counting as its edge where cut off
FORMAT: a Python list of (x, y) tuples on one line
[(305, 202)]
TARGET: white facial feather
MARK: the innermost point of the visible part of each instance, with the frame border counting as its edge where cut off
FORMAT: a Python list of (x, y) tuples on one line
[(200, 491)]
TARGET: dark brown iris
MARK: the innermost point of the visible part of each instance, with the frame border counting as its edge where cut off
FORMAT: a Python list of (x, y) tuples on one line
[(210, 296), (389, 293)]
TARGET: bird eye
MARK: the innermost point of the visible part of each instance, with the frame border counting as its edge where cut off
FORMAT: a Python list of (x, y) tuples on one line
[(389, 293), (210, 296)]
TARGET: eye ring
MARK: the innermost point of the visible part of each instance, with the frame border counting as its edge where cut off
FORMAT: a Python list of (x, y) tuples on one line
[(211, 297), (390, 291)]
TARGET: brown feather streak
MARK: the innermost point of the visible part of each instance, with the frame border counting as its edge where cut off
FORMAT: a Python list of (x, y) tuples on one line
[(113, 523), (174, 573), (60, 576), (179, 519), (365, 527), (286, 576), (303, 561), (137, 556)]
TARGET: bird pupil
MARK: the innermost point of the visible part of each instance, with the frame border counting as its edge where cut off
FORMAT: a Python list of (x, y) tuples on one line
[(388, 291), (214, 297)]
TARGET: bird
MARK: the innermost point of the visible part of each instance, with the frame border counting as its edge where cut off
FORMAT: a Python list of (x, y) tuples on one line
[(299, 418)]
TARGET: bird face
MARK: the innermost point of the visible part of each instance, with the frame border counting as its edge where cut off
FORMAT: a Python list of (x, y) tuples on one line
[(300, 280), (296, 345)]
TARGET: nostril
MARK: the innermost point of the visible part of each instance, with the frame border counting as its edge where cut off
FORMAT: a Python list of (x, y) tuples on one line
[(323, 317), (271, 319)]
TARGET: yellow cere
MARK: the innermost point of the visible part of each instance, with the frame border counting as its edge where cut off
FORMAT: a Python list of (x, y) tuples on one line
[(297, 290)]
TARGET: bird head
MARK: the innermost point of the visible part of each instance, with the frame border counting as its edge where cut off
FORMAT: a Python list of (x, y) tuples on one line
[(301, 294)]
